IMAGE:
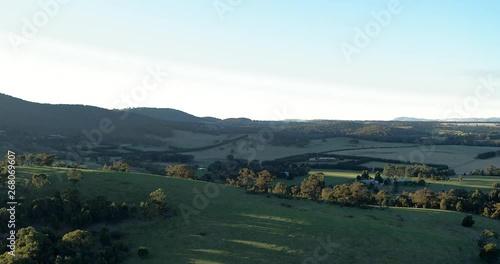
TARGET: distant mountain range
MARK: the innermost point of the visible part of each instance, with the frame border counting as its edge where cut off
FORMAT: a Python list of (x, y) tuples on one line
[(20, 117), (413, 119), (24, 118)]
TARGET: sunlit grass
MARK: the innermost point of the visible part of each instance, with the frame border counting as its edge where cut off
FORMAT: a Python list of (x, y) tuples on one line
[(275, 218), (267, 246), (240, 228)]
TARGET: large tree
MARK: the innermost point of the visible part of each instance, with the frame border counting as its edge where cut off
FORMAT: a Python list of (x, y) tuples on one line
[(246, 178), (264, 181), (74, 176), (280, 189), (39, 180), (31, 247), (311, 187), (181, 171), (78, 242)]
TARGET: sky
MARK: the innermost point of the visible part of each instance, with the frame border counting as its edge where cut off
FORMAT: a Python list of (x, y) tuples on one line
[(261, 59)]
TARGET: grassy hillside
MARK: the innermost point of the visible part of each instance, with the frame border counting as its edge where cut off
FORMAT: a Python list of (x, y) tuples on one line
[(239, 228)]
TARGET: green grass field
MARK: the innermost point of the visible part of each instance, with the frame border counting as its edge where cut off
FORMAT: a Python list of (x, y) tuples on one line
[(483, 183), (239, 228), (336, 177), (333, 177)]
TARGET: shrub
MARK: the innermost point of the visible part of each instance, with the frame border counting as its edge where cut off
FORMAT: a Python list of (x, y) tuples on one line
[(468, 221), (490, 233), (486, 155), (143, 252), (489, 253), (421, 182)]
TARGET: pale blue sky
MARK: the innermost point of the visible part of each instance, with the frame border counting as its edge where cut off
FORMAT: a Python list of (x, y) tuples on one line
[(263, 60)]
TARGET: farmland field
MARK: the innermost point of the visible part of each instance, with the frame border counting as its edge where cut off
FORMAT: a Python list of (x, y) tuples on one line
[(240, 228), (460, 158), (333, 177), (271, 152), (336, 177)]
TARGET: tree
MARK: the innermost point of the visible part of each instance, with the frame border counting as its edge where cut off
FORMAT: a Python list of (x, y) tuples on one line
[(156, 204), (489, 253), (79, 240), (389, 170), (496, 185), (395, 187), (157, 196), (491, 170), (117, 166), (359, 194), (326, 194), (246, 178), (421, 182), (490, 233), (280, 189), (74, 176), (31, 247), (181, 171), (39, 180), (383, 198), (264, 180), (124, 167), (378, 177), (420, 197), (365, 175), (443, 205), (295, 190), (77, 245), (143, 252), (311, 187), (468, 221)]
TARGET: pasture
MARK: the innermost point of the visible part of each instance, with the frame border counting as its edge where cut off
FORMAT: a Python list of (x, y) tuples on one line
[(460, 158), (472, 182), (234, 227), (261, 151)]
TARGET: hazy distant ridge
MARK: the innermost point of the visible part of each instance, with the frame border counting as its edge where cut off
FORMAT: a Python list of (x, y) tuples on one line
[(414, 119)]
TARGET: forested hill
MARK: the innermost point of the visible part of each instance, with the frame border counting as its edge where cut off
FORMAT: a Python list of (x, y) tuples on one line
[(169, 114), (19, 117)]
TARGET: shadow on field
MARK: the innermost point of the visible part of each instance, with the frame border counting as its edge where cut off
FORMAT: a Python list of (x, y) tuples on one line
[(249, 238)]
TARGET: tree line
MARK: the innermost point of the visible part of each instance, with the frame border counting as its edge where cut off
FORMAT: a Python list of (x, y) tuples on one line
[(359, 194), (417, 170), (41, 219), (490, 170)]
